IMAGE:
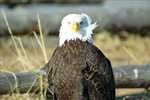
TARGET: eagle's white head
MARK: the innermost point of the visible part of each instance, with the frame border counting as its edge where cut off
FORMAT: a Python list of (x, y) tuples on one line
[(75, 26)]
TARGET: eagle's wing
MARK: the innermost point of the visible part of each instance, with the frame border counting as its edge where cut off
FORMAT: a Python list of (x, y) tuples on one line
[(99, 76), (49, 66)]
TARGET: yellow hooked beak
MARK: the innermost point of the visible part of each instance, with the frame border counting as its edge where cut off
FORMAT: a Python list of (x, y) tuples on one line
[(74, 26)]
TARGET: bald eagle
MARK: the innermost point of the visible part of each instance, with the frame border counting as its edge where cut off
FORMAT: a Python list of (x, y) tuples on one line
[(77, 69)]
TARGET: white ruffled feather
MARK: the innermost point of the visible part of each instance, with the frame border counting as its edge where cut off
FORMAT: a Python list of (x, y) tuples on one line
[(84, 31)]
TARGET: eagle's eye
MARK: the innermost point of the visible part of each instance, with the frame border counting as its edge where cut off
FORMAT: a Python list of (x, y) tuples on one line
[(69, 23), (81, 23)]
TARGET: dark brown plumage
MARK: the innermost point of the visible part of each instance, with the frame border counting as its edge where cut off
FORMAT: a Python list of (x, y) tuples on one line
[(80, 71)]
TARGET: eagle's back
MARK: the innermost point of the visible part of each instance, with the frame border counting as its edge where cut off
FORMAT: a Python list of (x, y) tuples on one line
[(80, 71)]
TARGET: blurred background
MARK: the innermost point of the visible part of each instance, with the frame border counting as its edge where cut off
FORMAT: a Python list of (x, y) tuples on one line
[(112, 15), (123, 34)]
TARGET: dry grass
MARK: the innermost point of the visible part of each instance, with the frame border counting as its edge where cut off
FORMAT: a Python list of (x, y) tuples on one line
[(28, 53), (23, 58), (134, 50)]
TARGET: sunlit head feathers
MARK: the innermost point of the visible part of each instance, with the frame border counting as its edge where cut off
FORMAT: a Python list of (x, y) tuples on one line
[(75, 26)]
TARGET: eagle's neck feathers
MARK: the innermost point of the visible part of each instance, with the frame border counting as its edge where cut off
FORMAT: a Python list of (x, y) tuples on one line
[(74, 36)]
